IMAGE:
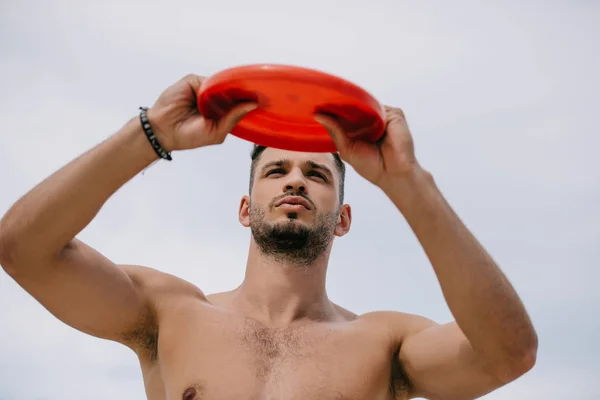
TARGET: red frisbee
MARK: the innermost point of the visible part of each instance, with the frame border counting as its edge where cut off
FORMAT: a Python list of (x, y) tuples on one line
[(287, 98)]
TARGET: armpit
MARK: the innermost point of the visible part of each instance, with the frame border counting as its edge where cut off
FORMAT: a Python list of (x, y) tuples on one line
[(400, 386), (144, 337)]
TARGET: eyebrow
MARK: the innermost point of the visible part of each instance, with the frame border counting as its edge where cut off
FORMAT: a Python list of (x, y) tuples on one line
[(285, 162), (278, 163)]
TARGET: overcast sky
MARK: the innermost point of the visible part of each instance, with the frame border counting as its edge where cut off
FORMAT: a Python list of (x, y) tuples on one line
[(502, 99)]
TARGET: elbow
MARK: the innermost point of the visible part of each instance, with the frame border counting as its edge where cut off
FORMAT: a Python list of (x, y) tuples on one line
[(18, 256), (528, 354), (7, 252), (519, 361), (11, 253), (525, 361)]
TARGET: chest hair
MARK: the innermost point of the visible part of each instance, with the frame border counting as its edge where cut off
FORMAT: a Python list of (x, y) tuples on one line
[(272, 346)]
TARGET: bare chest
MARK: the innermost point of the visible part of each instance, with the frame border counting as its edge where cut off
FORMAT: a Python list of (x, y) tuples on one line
[(222, 357)]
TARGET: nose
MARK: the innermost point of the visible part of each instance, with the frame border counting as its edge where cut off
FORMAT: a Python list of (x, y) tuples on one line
[(295, 182)]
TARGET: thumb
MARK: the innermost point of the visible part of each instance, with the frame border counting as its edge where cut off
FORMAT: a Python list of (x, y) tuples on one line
[(337, 134), (233, 117)]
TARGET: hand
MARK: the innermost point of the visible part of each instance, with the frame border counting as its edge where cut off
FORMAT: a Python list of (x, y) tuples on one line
[(177, 123), (393, 156)]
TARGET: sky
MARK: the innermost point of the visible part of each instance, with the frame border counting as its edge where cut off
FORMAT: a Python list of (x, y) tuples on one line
[(501, 98)]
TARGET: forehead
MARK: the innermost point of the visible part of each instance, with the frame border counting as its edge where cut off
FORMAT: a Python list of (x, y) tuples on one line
[(295, 157)]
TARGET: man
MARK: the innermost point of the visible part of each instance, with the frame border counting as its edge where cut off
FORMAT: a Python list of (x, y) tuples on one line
[(277, 336)]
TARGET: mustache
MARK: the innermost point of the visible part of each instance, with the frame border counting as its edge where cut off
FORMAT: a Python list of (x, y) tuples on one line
[(293, 193)]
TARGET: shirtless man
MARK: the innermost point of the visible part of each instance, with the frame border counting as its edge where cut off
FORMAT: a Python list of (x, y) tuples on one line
[(277, 336)]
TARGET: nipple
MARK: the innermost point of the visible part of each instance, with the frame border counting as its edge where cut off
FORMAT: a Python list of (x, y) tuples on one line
[(189, 394)]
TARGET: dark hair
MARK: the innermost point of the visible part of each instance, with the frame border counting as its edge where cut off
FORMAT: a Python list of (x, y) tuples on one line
[(341, 167)]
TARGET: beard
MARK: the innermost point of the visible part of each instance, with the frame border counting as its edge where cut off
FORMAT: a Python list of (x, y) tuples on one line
[(290, 241)]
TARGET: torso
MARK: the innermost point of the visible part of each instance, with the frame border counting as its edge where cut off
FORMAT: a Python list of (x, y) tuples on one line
[(207, 352)]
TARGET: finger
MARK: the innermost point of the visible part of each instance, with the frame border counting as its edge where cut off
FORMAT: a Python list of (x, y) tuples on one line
[(397, 131), (394, 114), (337, 134), (395, 122), (233, 117), (194, 81)]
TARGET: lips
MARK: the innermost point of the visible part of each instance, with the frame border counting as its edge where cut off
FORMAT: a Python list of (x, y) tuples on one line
[(293, 200)]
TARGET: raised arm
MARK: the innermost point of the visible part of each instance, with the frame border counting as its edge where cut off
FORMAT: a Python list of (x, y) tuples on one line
[(38, 248), (492, 341)]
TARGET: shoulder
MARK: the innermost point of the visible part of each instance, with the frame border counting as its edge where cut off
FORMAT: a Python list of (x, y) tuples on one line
[(160, 291), (393, 328), (397, 325), (388, 331), (153, 283)]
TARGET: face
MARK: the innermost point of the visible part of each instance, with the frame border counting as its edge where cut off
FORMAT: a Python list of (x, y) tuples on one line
[(294, 211)]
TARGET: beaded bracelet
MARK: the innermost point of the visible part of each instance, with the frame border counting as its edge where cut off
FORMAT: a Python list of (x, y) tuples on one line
[(162, 153)]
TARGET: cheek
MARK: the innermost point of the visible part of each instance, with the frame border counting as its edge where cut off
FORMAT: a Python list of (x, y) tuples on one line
[(259, 203), (328, 199), (265, 191)]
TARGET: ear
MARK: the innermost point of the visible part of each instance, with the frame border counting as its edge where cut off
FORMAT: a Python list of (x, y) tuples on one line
[(244, 211), (344, 221)]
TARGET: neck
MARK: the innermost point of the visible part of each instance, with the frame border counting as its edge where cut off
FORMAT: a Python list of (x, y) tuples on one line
[(277, 291)]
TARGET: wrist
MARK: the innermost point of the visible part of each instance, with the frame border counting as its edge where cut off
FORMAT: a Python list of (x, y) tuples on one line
[(133, 141), (155, 118), (409, 188)]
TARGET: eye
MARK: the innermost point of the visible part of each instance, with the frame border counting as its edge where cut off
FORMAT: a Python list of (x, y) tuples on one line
[(275, 171), (318, 175)]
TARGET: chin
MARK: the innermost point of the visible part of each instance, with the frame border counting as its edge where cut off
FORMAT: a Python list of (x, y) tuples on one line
[(289, 215), (292, 215), (291, 220), (297, 217)]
